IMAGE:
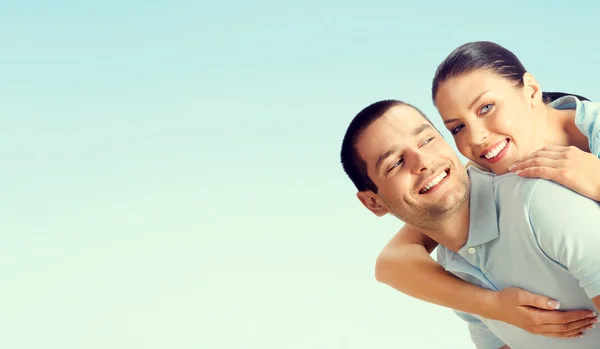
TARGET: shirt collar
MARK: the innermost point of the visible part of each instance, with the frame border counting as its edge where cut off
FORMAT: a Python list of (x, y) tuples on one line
[(483, 225)]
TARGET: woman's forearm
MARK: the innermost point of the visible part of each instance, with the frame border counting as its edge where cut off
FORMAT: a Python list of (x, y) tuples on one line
[(405, 264)]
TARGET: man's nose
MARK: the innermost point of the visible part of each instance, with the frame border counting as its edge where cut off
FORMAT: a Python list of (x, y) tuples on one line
[(421, 162)]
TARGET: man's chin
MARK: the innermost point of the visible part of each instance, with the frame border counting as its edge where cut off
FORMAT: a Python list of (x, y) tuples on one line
[(448, 203)]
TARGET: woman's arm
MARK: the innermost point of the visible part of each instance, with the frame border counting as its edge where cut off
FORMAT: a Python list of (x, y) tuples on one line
[(405, 264)]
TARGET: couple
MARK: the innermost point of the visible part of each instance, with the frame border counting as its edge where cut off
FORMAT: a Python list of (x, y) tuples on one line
[(504, 239)]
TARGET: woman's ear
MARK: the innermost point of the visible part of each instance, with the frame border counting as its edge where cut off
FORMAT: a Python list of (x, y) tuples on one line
[(532, 90)]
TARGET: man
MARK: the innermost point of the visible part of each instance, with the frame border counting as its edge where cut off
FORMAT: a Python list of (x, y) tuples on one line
[(401, 165)]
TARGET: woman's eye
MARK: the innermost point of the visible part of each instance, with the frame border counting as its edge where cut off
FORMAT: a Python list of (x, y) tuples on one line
[(457, 129), (486, 108)]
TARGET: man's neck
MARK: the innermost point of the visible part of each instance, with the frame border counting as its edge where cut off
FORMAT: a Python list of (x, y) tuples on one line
[(453, 231)]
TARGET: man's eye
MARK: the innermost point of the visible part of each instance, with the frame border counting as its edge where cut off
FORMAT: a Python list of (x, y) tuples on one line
[(397, 163), (428, 140)]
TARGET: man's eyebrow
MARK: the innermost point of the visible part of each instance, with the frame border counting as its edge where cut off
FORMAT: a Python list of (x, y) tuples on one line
[(470, 106), (420, 129)]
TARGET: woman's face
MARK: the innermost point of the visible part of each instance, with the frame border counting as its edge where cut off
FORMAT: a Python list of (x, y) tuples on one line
[(492, 120)]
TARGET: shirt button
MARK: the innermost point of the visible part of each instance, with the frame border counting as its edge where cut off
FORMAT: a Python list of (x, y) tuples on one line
[(471, 250)]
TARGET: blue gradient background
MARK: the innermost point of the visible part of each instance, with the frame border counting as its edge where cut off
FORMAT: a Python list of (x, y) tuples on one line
[(170, 171)]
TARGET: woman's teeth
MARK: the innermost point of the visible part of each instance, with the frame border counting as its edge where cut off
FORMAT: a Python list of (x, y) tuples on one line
[(494, 152)]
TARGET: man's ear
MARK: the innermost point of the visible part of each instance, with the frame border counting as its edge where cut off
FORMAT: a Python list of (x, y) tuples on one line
[(372, 202), (533, 90)]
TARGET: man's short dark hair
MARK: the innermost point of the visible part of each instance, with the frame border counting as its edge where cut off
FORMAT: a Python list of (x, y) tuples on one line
[(354, 166)]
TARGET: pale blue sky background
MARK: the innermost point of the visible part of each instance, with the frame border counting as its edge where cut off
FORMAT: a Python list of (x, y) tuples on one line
[(170, 171)]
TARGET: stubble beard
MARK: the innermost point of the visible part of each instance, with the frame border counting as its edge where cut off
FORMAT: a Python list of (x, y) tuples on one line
[(434, 216)]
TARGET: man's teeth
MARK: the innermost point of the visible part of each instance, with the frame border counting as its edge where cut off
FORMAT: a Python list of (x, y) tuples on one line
[(494, 152), (434, 181)]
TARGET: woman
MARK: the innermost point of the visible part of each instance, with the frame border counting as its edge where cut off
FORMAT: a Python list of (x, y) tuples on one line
[(499, 117)]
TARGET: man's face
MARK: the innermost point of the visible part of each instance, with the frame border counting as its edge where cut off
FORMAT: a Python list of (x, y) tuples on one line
[(419, 177)]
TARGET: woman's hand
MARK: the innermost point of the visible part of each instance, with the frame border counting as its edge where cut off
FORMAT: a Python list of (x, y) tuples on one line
[(569, 166), (536, 314)]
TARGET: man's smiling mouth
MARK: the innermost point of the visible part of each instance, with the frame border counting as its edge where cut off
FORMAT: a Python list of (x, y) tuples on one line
[(435, 181)]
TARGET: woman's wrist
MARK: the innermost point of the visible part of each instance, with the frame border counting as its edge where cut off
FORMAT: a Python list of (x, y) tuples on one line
[(486, 303)]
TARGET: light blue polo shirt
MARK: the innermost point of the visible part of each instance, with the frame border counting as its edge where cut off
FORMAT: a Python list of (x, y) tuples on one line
[(546, 240)]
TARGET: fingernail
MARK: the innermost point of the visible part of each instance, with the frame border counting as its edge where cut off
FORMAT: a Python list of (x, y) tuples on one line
[(595, 320), (511, 167), (519, 171), (552, 303), (592, 315)]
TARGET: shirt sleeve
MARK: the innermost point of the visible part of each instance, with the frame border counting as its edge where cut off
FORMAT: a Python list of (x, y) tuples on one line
[(567, 227), (481, 335)]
